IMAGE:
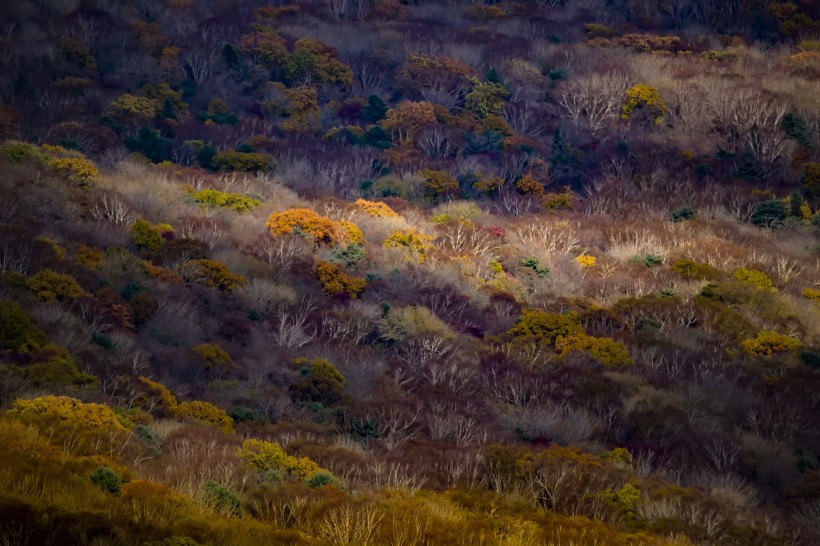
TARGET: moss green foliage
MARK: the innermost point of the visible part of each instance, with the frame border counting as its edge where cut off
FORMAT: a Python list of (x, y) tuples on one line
[(605, 351), (414, 243), (600, 30), (150, 237), (18, 152), (51, 286), (754, 278), (439, 184), (74, 169), (52, 366), (273, 464), (129, 107), (543, 327), (242, 161), (312, 58), (221, 498), (400, 323), (689, 269), (485, 98), (17, 329), (233, 201), (107, 479), (628, 497), (320, 382), (68, 164), (205, 413)]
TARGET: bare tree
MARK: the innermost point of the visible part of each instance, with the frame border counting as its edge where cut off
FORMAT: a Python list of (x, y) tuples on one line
[(368, 79), (593, 100), (199, 63), (750, 121), (338, 8), (524, 118), (290, 328)]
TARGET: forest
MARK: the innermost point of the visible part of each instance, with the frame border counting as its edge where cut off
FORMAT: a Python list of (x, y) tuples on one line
[(409, 273)]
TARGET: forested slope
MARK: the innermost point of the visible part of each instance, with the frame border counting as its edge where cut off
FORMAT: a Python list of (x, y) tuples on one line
[(359, 272)]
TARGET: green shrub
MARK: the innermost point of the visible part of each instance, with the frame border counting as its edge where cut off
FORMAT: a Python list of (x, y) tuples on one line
[(794, 126), (242, 161), (54, 365), (754, 277), (540, 326), (17, 152), (604, 350), (107, 479), (683, 213), (16, 328), (769, 214), (321, 479), (272, 462), (74, 169), (218, 112), (223, 499), (485, 98), (349, 256), (320, 382), (205, 413), (600, 30), (650, 260), (531, 262), (52, 286), (244, 414), (149, 237), (233, 201), (692, 270)]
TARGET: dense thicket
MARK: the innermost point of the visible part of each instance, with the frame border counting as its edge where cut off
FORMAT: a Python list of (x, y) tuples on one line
[(381, 272)]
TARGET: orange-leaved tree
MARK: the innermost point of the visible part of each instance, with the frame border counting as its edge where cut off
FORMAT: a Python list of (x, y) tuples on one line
[(309, 223), (375, 208), (336, 282), (322, 229)]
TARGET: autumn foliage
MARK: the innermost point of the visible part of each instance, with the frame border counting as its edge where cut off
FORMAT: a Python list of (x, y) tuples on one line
[(404, 273)]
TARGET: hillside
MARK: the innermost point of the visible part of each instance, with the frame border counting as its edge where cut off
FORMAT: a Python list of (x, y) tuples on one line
[(410, 273)]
